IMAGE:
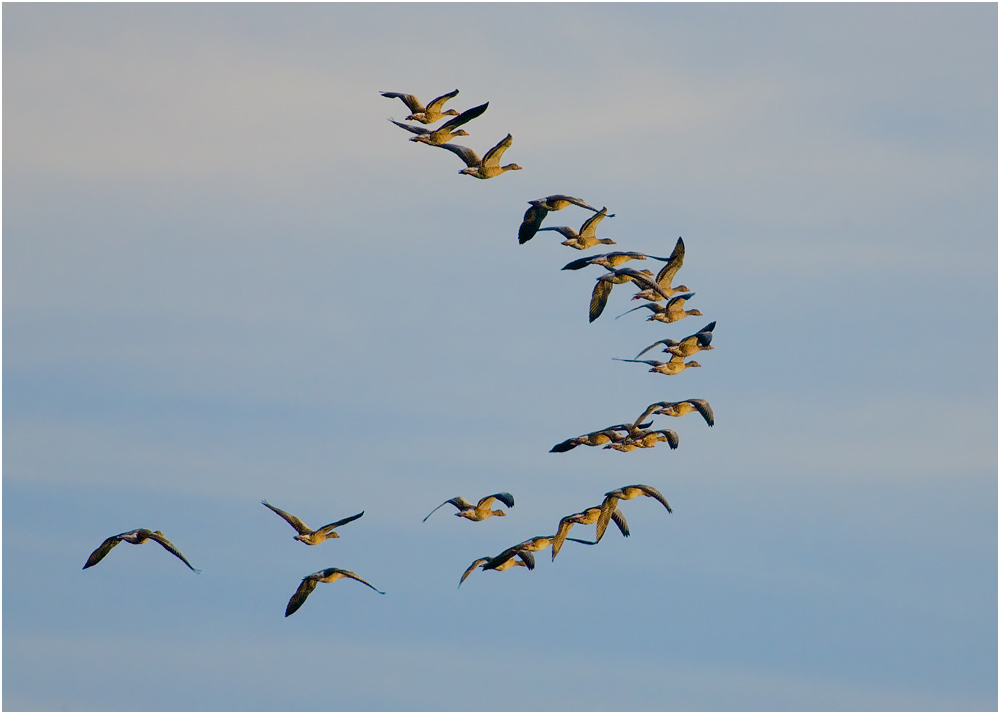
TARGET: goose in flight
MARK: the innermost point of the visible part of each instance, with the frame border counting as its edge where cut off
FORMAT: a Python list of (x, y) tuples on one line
[(608, 260), (665, 277), (625, 493), (480, 511), (505, 561), (489, 165), (425, 115), (605, 283), (678, 409), (540, 208), (136, 537), (646, 440), (597, 438), (587, 237), (447, 131), (701, 340), (586, 517), (675, 365), (308, 535), (310, 582), (671, 312)]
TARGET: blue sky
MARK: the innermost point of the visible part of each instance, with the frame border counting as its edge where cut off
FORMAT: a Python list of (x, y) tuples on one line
[(228, 278)]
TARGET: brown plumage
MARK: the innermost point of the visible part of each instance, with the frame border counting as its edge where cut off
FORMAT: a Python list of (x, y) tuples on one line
[(447, 131), (135, 537), (505, 561), (597, 438), (310, 582), (305, 533), (587, 237), (540, 208), (425, 115), (675, 365), (646, 440), (605, 283), (701, 340), (677, 409), (480, 511), (486, 167), (671, 312), (625, 493), (585, 517)]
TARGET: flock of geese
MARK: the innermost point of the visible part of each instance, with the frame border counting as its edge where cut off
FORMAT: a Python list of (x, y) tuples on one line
[(664, 301)]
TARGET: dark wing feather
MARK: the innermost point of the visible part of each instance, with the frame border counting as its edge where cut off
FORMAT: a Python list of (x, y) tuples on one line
[(654, 493), (504, 498), (352, 576), (667, 272), (411, 102), (158, 537), (103, 549), (470, 157), (307, 585), (705, 409), (341, 522), (294, 522), (438, 102), (533, 218), (599, 298), (466, 116), (418, 130), (619, 518), (564, 446)]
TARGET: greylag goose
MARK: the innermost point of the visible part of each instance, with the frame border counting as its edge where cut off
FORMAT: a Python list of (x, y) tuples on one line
[(625, 493), (587, 237), (671, 312), (701, 340), (608, 260), (310, 582), (486, 167), (597, 438), (586, 517), (678, 409), (425, 115), (306, 534), (647, 440), (602, 288), (136, 537), (447, 131), (505, 561), (676, 365), (540, 208), (665, 277), (479, 512)]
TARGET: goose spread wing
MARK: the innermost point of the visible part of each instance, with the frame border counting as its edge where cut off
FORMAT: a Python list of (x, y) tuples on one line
[(158, 537), (705, 409), (589, 227), (294, 522), (504, 498), (492, 157), (470, 157), (418, 130), (533, 218), (674, 263), (475, 564), (458, 502), (466, 116), (352, 576), (307, 585), (103, 549), (411, 102), (438, 102)]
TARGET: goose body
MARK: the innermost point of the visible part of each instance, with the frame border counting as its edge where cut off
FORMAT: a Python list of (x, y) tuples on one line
[(418, 112), (508, 559), (675, 365), (306, 534), (625, 493), (671, 312), (587, 236), (701, 340), (310, 582), (678, 409), (597, 438), (480, 511), (646, 440), (585, 517), (608, 260), (447, 131), (489, 165), (134, 537), (540, 208)]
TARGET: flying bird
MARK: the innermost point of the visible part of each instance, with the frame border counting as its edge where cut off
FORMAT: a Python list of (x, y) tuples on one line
[(540, 208), (598, 438), (646, 440), (489, 165), (586, 518), (625, 493), (676, 365), (608, 260), (678, 409), (701, 340), (310, 582), (447, 131), (587, 237), (665, 277), (671, 312), (505, 561), (425, 115), (479, 512), (136, 537), (306, 534)]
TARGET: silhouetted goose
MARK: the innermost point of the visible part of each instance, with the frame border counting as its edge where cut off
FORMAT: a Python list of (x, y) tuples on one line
[(447, 131), (605, 283), (505, 561), (479, 512), (676, 365), (587, 237), (425, 115), (540, 208), (701, 340), (136, 537), (625, 493), (310, 582), (596, 438), (607, 260), (677, 409), (308, 535), (486, 167), (586, 518), (671, 312)]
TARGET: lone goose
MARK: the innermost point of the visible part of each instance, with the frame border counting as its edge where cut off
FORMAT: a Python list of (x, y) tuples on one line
[(540, 208), (479, 512), (677, 409), (505, 561), (586, 517), (486, 167), (701, 340), (306, 534), (625, 493), (310, 582), (597, 438), (425, 115), (646, 440), (605, 283), (671, 312), (676, 365), (136, 537), (447, 131), (587, 237)]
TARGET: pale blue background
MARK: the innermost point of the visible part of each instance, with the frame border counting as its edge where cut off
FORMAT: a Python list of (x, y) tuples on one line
[(227, 277)]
